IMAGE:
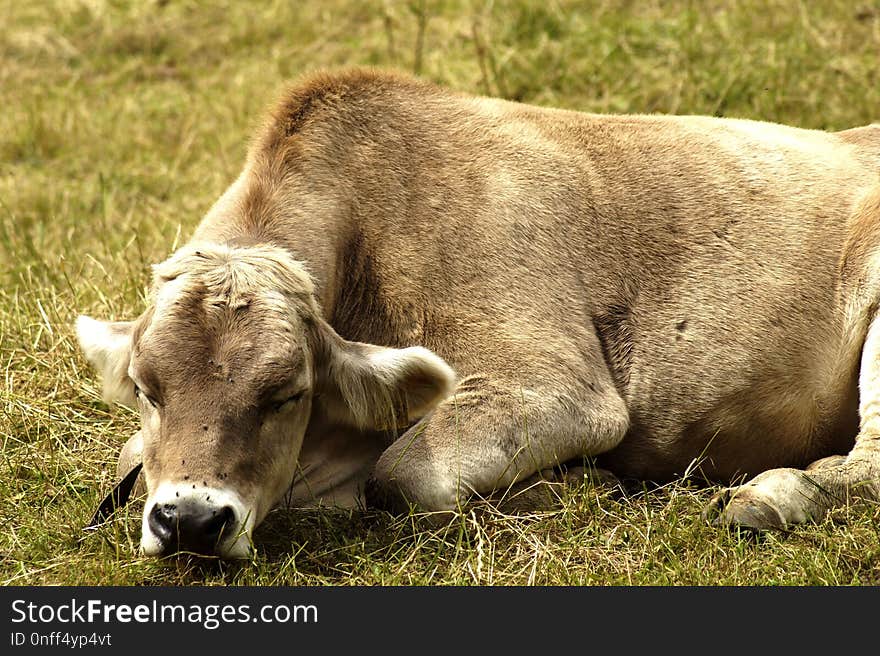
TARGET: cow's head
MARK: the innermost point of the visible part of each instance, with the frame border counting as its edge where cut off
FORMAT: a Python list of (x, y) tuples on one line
[(226, 366)]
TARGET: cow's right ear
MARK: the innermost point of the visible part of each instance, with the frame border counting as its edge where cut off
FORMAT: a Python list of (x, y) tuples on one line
[(107, 347)]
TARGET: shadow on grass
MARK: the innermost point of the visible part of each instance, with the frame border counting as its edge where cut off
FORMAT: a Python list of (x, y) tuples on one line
[(338, 546), (284, 532), (328, 542)]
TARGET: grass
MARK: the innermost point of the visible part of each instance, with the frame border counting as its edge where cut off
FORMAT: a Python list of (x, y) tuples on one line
[(122, 121)]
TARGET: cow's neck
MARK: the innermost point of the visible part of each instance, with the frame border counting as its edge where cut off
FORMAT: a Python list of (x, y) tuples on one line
[(346, 282), (322, 232)]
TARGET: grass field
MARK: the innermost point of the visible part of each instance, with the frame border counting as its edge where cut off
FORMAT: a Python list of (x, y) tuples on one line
[(121, 122)]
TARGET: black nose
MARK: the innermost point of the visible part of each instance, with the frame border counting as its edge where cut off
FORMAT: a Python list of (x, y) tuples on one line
[(191, 527)]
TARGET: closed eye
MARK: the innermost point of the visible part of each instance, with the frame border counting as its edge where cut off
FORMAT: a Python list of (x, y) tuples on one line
[(139, 394), (281, 404)]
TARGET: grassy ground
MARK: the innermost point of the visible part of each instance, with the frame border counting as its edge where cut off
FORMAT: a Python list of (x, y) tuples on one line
[(122, 121)]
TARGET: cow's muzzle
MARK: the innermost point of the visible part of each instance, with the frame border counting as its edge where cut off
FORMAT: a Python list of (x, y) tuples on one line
[(193, 519), (190, 526)]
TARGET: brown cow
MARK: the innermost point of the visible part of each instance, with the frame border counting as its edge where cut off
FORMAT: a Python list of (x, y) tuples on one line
[(673, 294)]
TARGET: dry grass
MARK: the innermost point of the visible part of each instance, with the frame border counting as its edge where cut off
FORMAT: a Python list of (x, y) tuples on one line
[(123, 121)]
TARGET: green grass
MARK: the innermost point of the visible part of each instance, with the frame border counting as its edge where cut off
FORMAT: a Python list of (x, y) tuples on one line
[(121, 122)]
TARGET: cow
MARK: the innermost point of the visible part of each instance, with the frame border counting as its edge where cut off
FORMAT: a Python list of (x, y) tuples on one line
[(411, 297)]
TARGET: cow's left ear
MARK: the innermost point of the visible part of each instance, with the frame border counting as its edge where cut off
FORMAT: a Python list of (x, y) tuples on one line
[(107, 347), (375, 387)]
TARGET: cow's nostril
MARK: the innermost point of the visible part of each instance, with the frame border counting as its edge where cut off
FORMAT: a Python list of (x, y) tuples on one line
[(163, 521), (221, 523)]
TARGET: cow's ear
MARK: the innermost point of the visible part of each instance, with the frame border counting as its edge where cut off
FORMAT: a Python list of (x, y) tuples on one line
[(107, 347), (378, 388)]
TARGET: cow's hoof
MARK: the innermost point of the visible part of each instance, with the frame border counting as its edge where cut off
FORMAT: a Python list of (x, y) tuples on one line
[(546, 489), (381, 496), (827, 463), (739, 507), (592, 476)]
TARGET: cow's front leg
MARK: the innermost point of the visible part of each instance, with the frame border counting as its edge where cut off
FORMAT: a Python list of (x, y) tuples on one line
[(780, 497), (492, 433), (545, 488)]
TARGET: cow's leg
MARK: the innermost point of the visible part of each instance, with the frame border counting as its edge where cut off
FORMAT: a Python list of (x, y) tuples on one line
[(780, 497), (492, 433), (543, 490)]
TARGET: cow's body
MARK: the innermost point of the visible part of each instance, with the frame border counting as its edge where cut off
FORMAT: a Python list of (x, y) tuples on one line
[(672, 294)]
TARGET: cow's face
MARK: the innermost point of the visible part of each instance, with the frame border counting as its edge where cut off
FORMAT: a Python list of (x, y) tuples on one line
[(226, 367)]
